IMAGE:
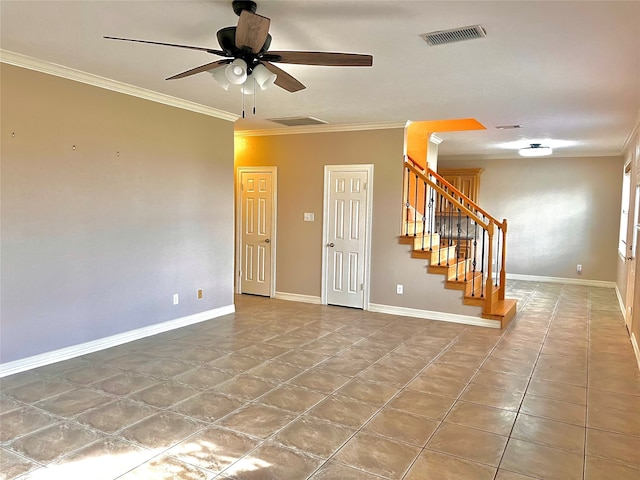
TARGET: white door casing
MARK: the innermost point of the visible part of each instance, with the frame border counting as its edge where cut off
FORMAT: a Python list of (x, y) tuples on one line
[(348, 202), (256, 210)]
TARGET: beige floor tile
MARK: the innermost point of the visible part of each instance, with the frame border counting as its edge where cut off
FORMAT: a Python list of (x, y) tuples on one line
[(554, 434), (481, 417), (611, 420), (165, 394), (345, 366), (515, 367), (423, 404), (161, 430), (38, 390), (334, 471), (468, 443), (613, 446), (13, 466), (245, 387), (292, 398), (257, 420), (321, 380), (208, 406), (554, 409), (115, 416), (493, 397), (235, 363), (437, 385), (314, 436), (602, 469), (539, 461), (369, 392), (343, 410), (505, 381), (616, 401), (203, 378), (377, 455), (466, 360), (397, 377), (506, 475), (24, 421), (452, 372), (402, 426), (54, 442), (432, 464), (561, 374), (300, 358), (166, 468), (273, 462), (213, 449), (103, 460), (558, 391), (124, 383)]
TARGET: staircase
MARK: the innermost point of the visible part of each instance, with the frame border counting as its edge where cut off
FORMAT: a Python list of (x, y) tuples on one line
[(458, 239)]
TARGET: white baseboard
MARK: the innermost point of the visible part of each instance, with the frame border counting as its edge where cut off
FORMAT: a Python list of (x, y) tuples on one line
[(568, 281), (431, 315), (54, 356), (623, 309), (636, 349), (296, 297)]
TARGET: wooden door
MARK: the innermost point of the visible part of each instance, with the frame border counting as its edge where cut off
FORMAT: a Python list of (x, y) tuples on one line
[(256, 230), (346, 256)]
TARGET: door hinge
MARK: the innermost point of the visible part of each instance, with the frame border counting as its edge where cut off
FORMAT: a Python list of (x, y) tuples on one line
[(362, 286), (365, 185), (242, 186)]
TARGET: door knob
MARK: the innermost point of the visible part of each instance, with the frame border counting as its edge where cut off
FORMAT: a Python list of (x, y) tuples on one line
[(330, 245), (267, 241)]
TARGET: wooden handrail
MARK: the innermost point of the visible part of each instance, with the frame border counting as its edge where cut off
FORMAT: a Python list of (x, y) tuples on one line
[(470, 213), (457, 192)]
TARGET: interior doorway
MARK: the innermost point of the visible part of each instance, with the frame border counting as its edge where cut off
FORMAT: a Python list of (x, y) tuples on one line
[(348, 205), (256, 230)]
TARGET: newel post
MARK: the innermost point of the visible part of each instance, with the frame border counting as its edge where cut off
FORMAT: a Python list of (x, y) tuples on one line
[(503, 271)]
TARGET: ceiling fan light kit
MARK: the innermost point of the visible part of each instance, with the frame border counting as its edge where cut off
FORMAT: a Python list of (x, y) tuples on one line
[(535, 150), (245, 48)]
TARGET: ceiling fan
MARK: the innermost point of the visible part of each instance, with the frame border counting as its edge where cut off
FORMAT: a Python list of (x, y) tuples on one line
[(246, 48)]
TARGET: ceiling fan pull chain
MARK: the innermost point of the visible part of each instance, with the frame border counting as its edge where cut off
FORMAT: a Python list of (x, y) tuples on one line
[(254, 94), (242, 93)]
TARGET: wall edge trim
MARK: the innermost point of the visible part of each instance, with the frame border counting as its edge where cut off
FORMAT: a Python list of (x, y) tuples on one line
[(66, 353), (620, 302), (431, 315), (296, 297), (31, 63), (351, 127), (567, 281), (636, 349)]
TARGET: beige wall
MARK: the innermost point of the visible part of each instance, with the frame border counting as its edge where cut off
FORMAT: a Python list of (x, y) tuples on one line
[(96, 240), (561, 212), (300, 160)]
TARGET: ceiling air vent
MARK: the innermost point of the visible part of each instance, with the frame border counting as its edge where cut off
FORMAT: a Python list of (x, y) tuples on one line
[(297, 121), (460, 34)]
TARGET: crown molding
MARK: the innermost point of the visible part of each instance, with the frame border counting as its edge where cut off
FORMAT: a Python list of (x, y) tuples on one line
[(352, 127), (627, 141), (31, 63)]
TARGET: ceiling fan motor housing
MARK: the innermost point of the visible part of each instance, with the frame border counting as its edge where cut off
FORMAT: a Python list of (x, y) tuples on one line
[(240, 5)]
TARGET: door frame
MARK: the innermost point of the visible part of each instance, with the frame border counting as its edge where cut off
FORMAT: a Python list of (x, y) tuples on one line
[(366, 167), (274, 223)]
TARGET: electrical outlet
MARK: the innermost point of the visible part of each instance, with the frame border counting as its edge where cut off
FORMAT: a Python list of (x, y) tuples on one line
[(200, 293), (579, 268), (176, 299), (399, 289)]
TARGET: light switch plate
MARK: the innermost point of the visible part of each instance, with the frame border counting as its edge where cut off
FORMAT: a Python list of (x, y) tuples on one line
[(309, 217)]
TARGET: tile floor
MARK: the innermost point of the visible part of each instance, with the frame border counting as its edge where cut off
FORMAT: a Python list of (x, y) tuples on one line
[(284, 390)]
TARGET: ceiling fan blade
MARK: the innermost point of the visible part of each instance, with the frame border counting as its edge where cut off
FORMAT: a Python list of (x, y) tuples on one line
[(330, 59), (252, 31), (204, 49), (201, 68), (283, 79)]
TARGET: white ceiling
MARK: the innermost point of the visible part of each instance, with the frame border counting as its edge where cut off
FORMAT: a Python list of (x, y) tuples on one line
[(567, 71)]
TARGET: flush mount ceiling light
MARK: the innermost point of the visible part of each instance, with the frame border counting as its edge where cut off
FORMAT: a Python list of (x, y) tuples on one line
[(535, 150)]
